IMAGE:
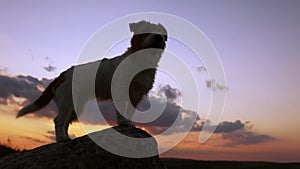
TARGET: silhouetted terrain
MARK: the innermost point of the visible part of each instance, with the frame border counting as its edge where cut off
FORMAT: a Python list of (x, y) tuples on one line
[(173, 163), (84, 153), (5, 150)]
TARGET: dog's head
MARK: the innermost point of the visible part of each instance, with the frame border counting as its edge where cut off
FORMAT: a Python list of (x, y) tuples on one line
[(148, 35)]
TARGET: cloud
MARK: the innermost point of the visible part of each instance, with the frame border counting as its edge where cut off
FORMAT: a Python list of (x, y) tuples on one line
[(170, 93), (50, 68), (222, 127), (27, 87), (237, 133), (90, 114), (201, 69), (174, 117), (214, 85), (163, 120), (227, 126), (30, 88), (33, 139), (166, 120), (245, 137), (3, 70), (38, 57), (19, 86)]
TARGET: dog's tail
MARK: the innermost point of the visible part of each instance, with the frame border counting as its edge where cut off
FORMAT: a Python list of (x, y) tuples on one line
[(44, 99)]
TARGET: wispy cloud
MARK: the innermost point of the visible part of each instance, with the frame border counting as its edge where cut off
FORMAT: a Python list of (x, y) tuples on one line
[(245, 137), (3, 71), (34, 139), (201, 69), (40, 58), (214, 85), (51, 135), (50, 67)]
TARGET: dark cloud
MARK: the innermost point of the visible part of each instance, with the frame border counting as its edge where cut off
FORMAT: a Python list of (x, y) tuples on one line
[(90, 114), (234, 133), (167, 119), (201, 69), (227, 126), (237, 133), (245, 137), (31, 88), (163, 121), (50, 68), (222, 127), (173, 117), (170, 93), (34, 139), (19, 86), (27, 87)]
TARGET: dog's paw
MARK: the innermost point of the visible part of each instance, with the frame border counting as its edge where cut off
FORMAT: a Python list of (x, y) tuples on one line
[(63, 140), (126, 124)]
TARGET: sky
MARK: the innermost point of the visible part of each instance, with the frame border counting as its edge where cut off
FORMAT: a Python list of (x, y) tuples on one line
[(258, 43)]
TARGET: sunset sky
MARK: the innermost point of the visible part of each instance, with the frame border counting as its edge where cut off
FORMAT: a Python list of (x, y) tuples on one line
[(258, 43)]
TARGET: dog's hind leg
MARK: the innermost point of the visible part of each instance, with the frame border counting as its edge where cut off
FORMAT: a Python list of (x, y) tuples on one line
[(61, 122), (72, 117)]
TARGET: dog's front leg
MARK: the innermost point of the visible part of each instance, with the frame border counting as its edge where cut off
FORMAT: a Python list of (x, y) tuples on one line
[(129, 110), (125, 118)]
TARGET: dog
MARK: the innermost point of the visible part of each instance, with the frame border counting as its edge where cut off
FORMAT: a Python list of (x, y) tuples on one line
[(146, 35)]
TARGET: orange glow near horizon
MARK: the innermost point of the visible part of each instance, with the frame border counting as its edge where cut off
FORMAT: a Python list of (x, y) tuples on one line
[(277, 151), (29, 132)]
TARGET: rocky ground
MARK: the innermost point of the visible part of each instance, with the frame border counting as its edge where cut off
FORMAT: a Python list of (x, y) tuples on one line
[(83, 153)]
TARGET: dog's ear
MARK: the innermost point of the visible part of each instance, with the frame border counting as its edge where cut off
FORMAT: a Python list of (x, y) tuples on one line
[(132, 27), (163, 29)]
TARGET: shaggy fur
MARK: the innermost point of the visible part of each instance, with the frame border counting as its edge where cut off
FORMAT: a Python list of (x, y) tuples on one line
[(146, 35)]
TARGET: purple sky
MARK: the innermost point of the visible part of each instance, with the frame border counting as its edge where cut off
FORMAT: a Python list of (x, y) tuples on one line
[(258, 43)]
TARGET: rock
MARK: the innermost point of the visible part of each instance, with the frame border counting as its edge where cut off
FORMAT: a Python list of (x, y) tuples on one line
[(6, 150), (84, 153)]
